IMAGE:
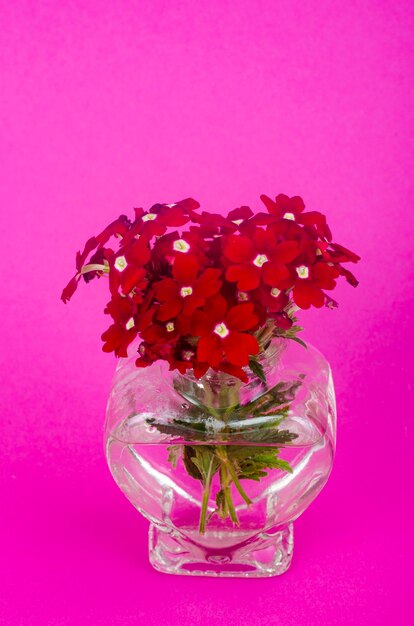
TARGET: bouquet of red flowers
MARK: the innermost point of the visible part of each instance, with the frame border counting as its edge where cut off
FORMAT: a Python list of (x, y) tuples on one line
[(207, 292), (202, 291)]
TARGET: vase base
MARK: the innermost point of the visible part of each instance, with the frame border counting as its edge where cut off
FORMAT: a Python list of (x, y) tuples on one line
[(266, 554)]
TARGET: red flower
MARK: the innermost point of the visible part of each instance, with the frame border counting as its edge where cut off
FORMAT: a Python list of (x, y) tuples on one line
[(190, 243), (184, 358), (117, 227), (186, 290), (160, 217), (148, 354), (339, 254), (292, 209), (272, 298), (258, 259), (214, 224), (127, 267), (123, 331), (335, 254), (196, 297), (310, 274), (282, 320), (222, 332), (129, 320), (284, 207)]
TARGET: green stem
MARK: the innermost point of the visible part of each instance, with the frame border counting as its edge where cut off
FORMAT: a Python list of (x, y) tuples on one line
[(222, 454), (237, 484), (206, 496), (224, 512), (229, 501)]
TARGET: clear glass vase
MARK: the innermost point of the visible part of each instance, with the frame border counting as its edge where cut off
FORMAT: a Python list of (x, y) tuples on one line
[(220, 468)]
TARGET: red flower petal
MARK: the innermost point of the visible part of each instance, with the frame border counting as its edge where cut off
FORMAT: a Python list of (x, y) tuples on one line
[(305, 295), (185, 269), (188, 204), (200, 369), (200, 324), (166, 289), (216, 308), (117, 339), (138, 253), (342, 255), (324, 275), (169, 309), (118, 227), (238, 347), (295, 202), (275, 274), (90, 245), (248, 276), (152, 228), (153, 334), (269, 204), (318, 222), (241, 317), (207, 283), (262, 219), (182, 325), (239, 248), (131, 277), (112, 338), (144, 319), (350, 278), (70, 289), (285, 252), (242, 213), (210, 350), (191, 303), (173, 216), (263, 241), (119, 308), (234, 370), (282, 320)]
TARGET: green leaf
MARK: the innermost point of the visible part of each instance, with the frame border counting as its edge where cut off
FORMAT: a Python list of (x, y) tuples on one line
[(175, 452), (253, 462), (300, 341), (204, 455), (283, 465), (188, 430), (192, 469), (220, 500), (257, 369)]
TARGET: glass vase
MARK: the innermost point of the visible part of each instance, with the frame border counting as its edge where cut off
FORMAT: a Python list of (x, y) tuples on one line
[(220, 468)]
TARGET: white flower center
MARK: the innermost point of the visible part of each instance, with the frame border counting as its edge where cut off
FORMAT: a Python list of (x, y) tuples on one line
[(169, 327), (186, 291), (242, 296), (120, 263), (237, 222), (221, 330), (170, 206), (149, 216), (260, 260), (302, 271), (187, 355), (275, 292), (130, 323), (289, 216), (181, 246)]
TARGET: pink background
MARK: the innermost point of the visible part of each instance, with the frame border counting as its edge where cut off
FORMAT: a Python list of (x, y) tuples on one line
[(110, 105)]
